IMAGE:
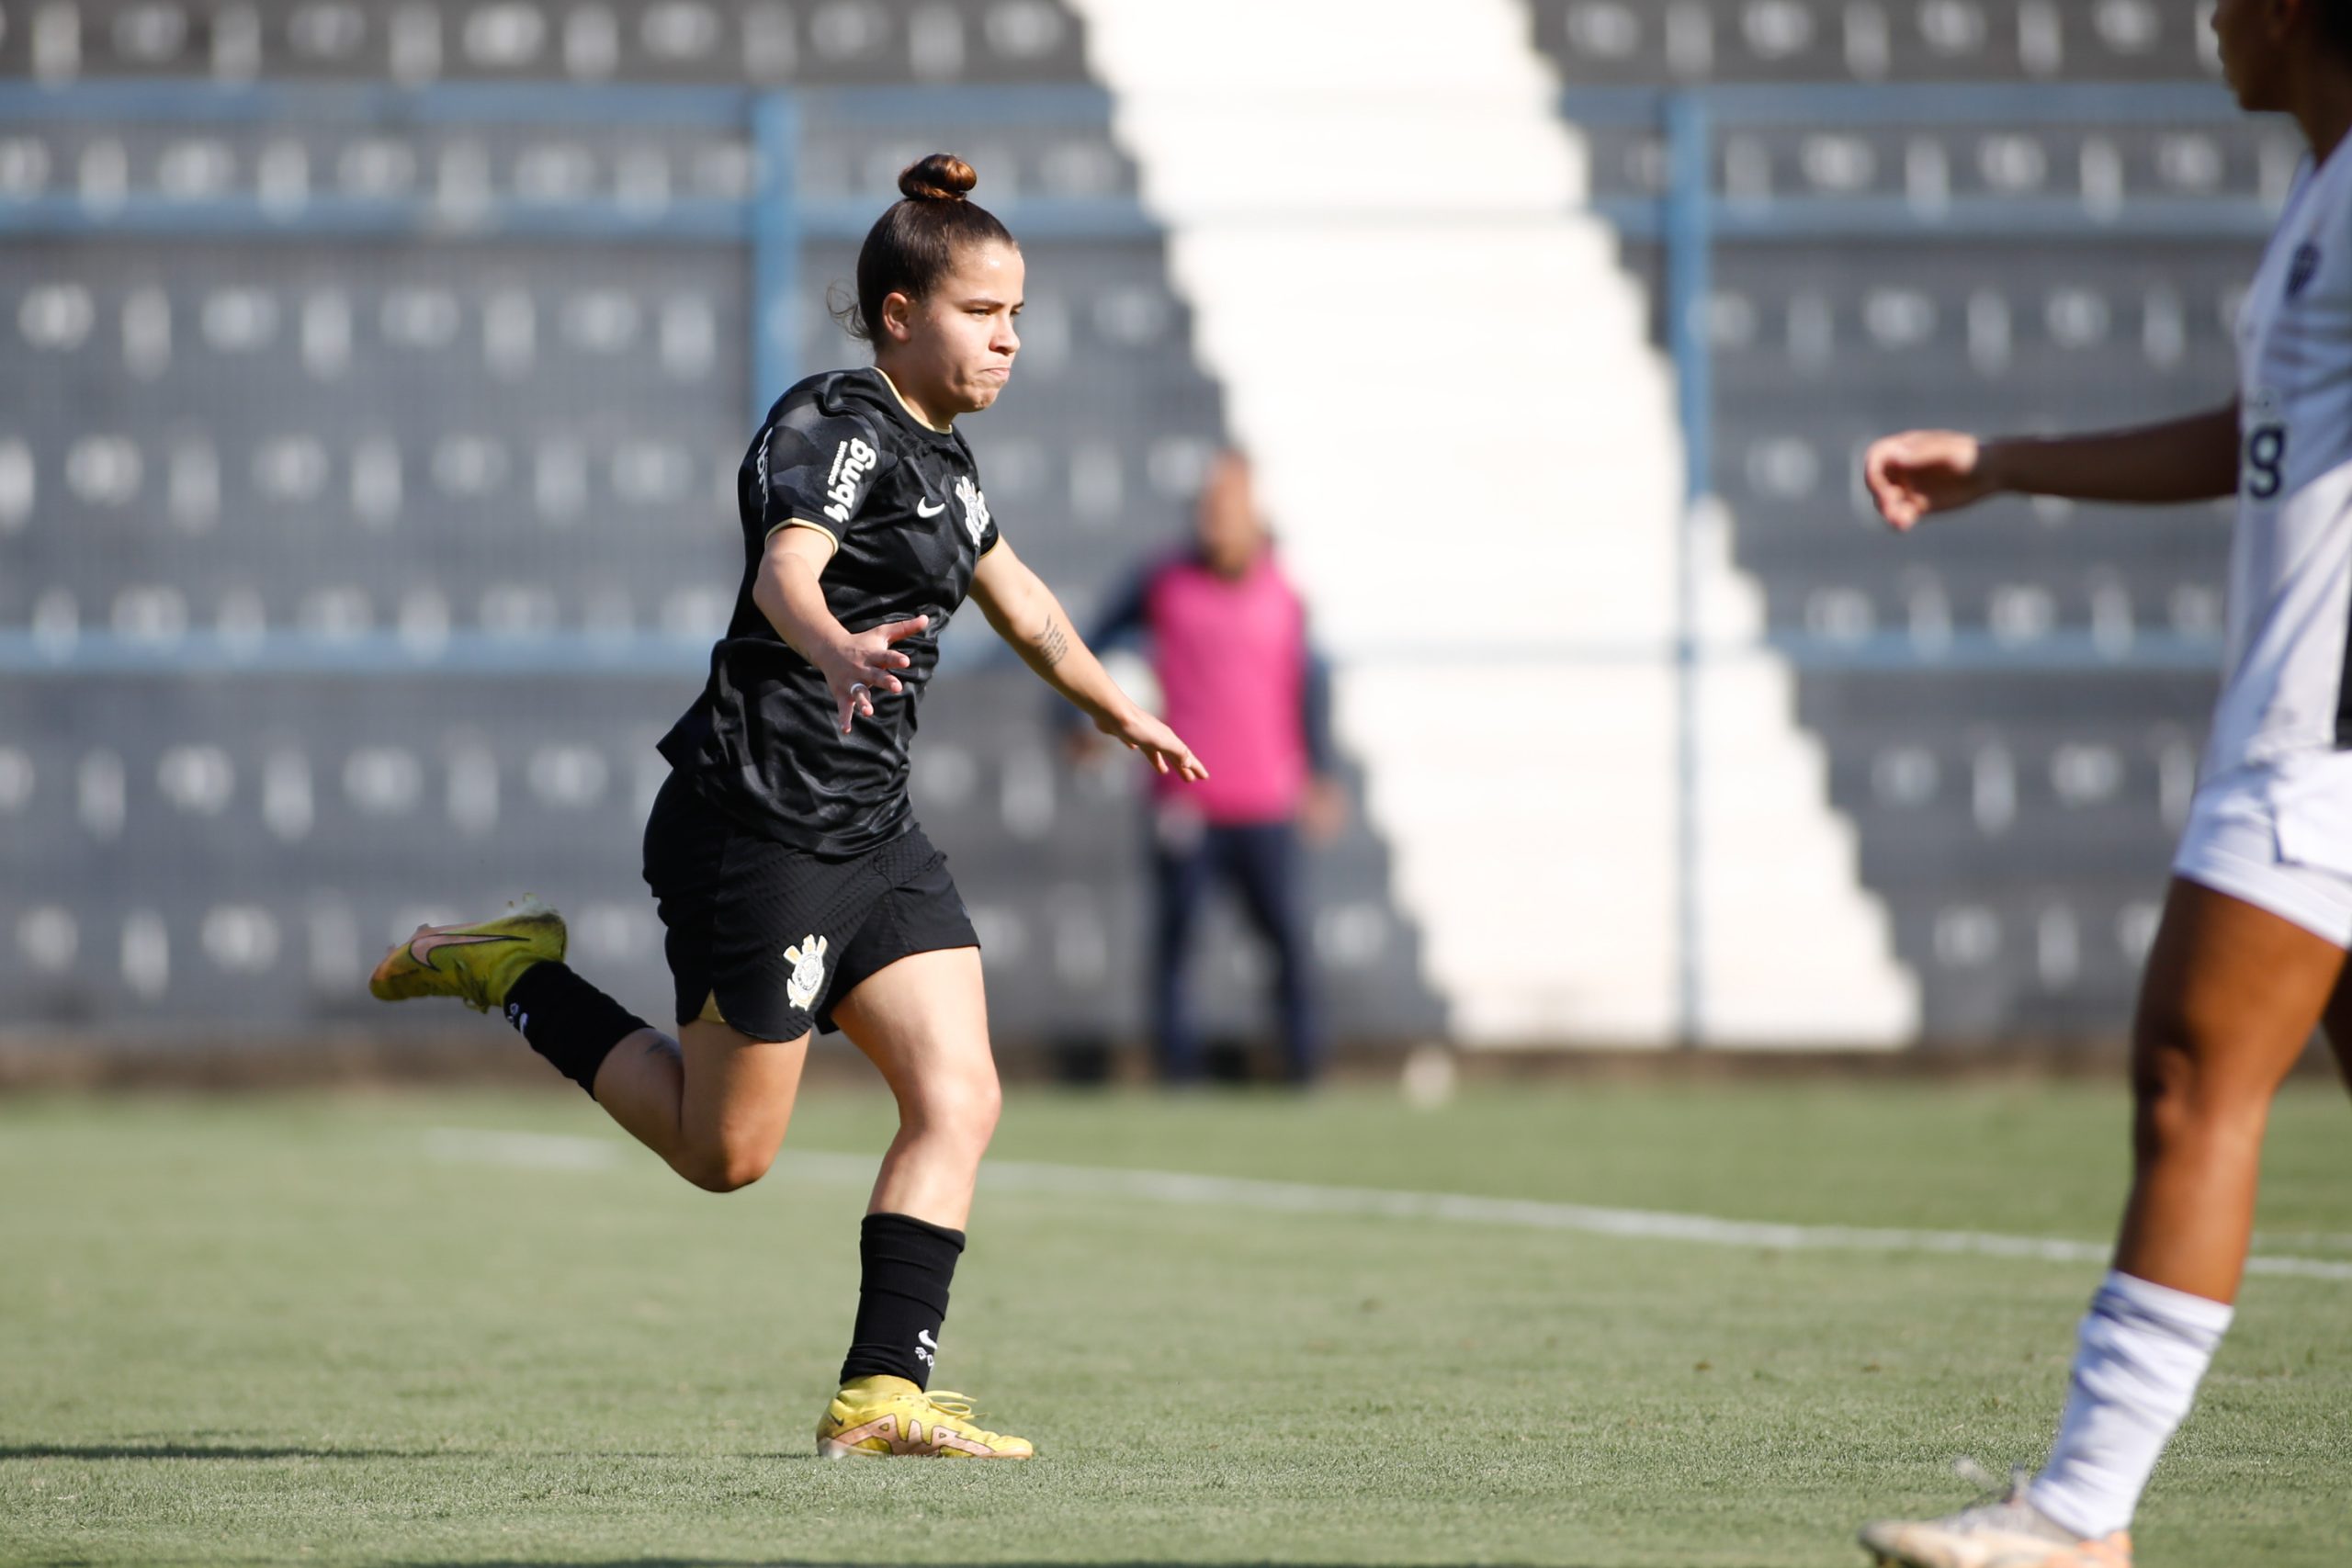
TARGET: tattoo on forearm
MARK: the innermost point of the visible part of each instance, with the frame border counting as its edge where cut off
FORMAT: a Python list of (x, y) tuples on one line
[(1053, 646)]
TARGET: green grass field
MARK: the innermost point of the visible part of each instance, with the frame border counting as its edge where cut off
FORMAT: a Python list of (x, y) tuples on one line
[(329, 1330)]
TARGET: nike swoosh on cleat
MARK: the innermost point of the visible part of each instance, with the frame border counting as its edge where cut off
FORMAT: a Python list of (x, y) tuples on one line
[(422, 948), (925, 508)]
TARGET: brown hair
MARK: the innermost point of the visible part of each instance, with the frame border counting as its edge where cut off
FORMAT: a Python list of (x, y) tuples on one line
[(913, 243)]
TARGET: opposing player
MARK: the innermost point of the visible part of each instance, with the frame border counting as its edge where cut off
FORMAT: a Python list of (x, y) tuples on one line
[(2250, 956), (798, 891)]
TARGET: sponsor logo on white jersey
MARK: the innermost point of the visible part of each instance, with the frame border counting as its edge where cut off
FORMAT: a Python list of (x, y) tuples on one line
[(853, 459), (2303, 269)]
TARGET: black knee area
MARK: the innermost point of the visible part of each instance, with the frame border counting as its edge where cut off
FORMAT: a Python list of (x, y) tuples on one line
[(568, 1021), (908, 1266)]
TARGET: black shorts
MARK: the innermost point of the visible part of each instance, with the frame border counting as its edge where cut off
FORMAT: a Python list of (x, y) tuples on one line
[(768, 939)]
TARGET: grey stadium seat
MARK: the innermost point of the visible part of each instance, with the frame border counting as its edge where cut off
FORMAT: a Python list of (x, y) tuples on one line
[(473, 432)]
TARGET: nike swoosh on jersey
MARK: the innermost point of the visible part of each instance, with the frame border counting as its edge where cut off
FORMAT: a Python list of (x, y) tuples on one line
[(422, 948), (924, 508)]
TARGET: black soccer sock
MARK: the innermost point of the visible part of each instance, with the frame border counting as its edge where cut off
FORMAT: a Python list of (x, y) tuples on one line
[(902, 1297), (568, 1021)]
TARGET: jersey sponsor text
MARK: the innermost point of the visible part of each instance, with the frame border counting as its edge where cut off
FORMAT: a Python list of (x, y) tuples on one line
[(851, 461)]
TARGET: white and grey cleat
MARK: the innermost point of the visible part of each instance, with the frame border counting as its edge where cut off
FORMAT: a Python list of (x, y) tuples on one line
[(2005, 1532)]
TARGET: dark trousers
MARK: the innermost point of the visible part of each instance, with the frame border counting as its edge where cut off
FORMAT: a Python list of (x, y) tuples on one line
[(1262, 863)]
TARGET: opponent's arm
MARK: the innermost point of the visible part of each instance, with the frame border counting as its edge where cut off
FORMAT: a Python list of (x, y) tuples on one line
[(1925, 471), (854, 664), (1032, 623)]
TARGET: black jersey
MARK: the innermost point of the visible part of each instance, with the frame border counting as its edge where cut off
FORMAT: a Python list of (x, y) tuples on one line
[(840, 454)]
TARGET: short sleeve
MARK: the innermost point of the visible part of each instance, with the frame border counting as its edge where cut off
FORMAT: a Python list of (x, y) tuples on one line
[(816, 470)]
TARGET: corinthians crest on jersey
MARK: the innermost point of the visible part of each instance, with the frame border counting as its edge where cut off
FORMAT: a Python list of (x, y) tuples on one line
[(975, 509)]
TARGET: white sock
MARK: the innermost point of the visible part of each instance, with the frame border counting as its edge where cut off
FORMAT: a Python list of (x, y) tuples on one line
[(2143, 1350)]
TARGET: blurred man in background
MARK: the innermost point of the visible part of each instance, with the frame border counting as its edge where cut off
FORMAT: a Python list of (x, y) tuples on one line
[(1225, 633)]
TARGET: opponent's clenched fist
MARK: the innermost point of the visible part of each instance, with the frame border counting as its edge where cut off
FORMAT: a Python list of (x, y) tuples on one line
[(1922, 471)]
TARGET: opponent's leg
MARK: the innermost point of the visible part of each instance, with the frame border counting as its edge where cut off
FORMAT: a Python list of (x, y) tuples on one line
[(2339, 1025), (2228, 1000), (2228, 1004), (923, 1021)]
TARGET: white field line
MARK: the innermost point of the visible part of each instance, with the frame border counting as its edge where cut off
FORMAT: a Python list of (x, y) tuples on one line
[(557, 1152), (522, 1150), (2328, 1241)]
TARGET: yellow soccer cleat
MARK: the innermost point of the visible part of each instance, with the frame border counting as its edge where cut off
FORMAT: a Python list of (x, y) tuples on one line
[(475, 963), (880, 1417)]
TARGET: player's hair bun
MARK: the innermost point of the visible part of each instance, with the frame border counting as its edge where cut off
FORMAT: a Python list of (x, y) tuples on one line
[(943, 177), (912, 245)]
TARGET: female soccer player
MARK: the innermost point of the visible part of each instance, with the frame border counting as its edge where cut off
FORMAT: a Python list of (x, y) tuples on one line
[(798, 891), (2250, 956)]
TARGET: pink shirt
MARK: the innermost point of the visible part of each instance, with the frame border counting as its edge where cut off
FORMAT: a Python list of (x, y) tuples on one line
[(1231, 657)]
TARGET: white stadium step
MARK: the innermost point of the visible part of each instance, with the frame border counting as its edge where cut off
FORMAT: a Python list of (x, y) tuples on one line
[(1472, 455)]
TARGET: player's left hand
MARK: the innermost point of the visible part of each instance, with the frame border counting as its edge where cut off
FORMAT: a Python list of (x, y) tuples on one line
[(1141, 732), (866, 663)]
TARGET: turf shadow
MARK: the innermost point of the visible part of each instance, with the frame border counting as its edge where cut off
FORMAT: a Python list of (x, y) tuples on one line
[(199, 1450)]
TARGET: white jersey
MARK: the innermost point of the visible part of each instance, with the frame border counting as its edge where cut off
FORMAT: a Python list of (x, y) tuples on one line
[(2286, 701)]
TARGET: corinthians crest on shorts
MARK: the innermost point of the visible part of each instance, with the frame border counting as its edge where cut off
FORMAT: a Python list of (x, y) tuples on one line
[(808, 977)]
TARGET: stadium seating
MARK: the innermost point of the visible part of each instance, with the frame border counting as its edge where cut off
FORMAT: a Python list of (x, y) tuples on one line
[(750, 42), (1617, 41), (1996, 273), (455, 400), (457, 382)]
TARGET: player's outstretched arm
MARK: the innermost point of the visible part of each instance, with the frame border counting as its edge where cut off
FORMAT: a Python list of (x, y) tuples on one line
[(855, 664), (1921, 472), (1032, 621)]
